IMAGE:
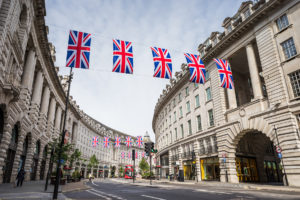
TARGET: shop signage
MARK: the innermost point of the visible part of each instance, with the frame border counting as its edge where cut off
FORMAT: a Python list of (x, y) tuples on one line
[(279, 155), (177, 162), (278, 149)]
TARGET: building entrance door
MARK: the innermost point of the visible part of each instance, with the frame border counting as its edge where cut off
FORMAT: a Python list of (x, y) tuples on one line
[(271, 171), (9, 165)]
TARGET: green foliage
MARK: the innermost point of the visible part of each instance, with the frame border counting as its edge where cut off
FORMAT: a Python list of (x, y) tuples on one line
[(147, 175), (66, 149), (76, 174), (144, 166), (121, 172), (93, 161), (75, 157)]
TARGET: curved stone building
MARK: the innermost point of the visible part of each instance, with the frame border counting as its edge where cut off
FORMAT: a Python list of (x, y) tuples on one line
[(32, 100), (210, 133)]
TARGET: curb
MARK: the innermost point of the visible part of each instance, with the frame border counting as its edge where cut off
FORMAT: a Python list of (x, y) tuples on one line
[(78, 189)]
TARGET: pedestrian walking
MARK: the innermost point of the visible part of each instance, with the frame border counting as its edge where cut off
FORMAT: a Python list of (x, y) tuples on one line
[(20, 177)]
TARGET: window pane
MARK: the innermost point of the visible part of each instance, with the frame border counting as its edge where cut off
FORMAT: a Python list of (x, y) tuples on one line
[(197, 102), (295, 82), (289, 48), (199, 123), (211, 117), (190, 127), (208, 94)]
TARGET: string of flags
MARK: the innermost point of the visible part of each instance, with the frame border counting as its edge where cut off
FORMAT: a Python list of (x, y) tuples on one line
[(117, 142), (78, 56)]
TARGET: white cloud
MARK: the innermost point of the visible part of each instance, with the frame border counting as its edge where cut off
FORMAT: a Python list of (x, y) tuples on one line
[(126, 102)]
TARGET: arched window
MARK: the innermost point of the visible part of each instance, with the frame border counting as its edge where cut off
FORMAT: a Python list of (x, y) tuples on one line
[(22, 23), (14, 134), (37, 148), (1, 123)]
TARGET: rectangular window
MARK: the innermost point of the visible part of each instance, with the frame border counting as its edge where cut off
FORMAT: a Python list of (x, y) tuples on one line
[(176, 137), (295, 82), (190, 127), (202, 53), (199, 125), (289, 48), (180, 111), (211, 117), (208, 94), (182, 133), (174, 103), (175, 116), (282, 22), (170, 118), (206, 75), (247, 13), (197, 102), (187, 91), (188, 107), (215, 40), (229, 28), (196, 85), (171, 136), (179, 97)]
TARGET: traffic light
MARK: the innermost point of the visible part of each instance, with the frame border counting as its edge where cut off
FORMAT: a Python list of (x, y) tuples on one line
[(147, 148), (151, 146)]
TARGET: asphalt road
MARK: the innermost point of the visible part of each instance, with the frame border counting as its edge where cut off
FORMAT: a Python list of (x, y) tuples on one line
[(112, 190)]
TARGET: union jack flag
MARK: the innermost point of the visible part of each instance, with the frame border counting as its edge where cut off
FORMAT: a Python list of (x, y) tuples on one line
[(117, 141), (128, 141), (78, 54), (95, 141), (162, 63), (106, 141), (143, 154), (197, 69), (129, 154), (123, 57), (123, 154), (225, 73), (136, 155), (139, 141)]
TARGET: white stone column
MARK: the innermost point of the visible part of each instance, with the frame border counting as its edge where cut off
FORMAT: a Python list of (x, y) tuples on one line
[(57, 118), (231, 94), (255, 80), (29, 68), (45, 101), (196, 150), (38, 86), (51, 113)]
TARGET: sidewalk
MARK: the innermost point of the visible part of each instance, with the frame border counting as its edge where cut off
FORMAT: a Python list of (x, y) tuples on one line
[(252, 186), (35, 190)]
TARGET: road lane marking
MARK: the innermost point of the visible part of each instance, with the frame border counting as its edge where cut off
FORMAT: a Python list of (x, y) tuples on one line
[(94, 193), (151, 197), (211, 191), (94, 183), (107, 194)]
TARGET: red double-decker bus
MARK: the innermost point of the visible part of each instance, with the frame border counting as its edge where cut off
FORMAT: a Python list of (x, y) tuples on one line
[(128, 172)]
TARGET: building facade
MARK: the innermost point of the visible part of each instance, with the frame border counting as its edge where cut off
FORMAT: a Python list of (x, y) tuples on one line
[(210, 133), (32, 100)]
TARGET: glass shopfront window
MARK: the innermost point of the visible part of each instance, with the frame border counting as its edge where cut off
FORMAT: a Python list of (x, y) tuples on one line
[(246, 169), (210, 169)]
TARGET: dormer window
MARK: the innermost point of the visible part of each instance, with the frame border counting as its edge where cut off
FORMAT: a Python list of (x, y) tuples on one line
[(282, 22), (229, 28), (247, 13), (202, 53), (215, 40)]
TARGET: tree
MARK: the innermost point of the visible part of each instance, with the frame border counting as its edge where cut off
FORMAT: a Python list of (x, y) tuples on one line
[(144, 166), (93, 161), (75, 157), (66, 149), (121, 172)]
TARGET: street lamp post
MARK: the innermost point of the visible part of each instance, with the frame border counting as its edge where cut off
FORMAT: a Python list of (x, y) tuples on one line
[(55, 192), (285, 176)]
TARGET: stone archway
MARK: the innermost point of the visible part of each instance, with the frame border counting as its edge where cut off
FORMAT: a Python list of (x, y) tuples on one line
[(256, 159), (228, 140), (11, 153)]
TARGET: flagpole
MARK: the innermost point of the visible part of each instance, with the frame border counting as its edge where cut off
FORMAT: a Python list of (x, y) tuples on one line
[(57, 179)]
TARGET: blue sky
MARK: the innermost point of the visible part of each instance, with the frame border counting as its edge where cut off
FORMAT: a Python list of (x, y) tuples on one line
[(126, 102)]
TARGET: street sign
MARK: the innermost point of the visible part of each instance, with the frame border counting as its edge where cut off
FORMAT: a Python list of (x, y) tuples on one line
[(62, 161), (224, 160), (279, 155), (278, 149), (223, 155)]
